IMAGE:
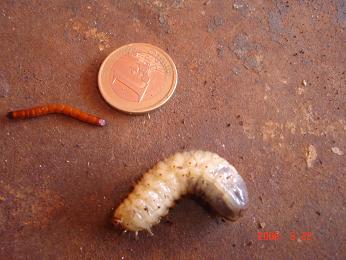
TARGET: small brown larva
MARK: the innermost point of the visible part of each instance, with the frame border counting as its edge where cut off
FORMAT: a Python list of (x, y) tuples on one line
[(56, 109), (196, 172)]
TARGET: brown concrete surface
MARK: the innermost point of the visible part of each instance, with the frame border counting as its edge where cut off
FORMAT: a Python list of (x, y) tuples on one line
[(241, 68)]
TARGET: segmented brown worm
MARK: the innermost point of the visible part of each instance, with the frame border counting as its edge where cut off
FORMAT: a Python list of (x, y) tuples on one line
[(196, 172), (56, 108)]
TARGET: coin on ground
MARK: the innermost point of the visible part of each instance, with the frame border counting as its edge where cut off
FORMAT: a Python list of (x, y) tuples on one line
[(137, 78)]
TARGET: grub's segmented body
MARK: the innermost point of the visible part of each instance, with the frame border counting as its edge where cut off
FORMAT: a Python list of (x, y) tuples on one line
[(197, 172), (57, 108)]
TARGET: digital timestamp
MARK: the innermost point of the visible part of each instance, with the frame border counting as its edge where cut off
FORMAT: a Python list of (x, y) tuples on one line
[(276, 235)]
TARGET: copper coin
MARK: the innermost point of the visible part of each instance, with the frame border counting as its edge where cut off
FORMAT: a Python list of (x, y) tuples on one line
[(137, 78)]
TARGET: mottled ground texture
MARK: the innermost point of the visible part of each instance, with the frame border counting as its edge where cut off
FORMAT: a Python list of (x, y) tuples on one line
[(262, 83)]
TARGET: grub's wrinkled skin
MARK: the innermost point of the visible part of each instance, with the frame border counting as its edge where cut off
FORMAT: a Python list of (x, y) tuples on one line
[(197, 172)]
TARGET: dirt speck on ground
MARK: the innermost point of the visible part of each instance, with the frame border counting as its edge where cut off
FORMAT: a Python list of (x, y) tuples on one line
[(337, 151), (311, 156)]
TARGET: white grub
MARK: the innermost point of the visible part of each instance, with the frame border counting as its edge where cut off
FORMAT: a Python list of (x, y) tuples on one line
[(311, 155), (337, 151), (196, 172), (304, 83)]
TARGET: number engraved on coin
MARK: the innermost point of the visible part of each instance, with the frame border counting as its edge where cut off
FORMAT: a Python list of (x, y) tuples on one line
[(137, 78), (140, 72)]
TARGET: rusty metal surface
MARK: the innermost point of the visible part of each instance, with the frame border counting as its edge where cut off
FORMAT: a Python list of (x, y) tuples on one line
[(262, 83)]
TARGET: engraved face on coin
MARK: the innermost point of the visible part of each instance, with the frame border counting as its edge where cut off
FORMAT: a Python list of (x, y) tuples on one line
[(137, 78)]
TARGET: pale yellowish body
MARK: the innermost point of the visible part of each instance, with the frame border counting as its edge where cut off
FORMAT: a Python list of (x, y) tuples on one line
[(202, 173)]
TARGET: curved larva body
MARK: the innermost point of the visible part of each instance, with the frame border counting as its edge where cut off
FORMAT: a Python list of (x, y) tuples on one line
[(197, 172)]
